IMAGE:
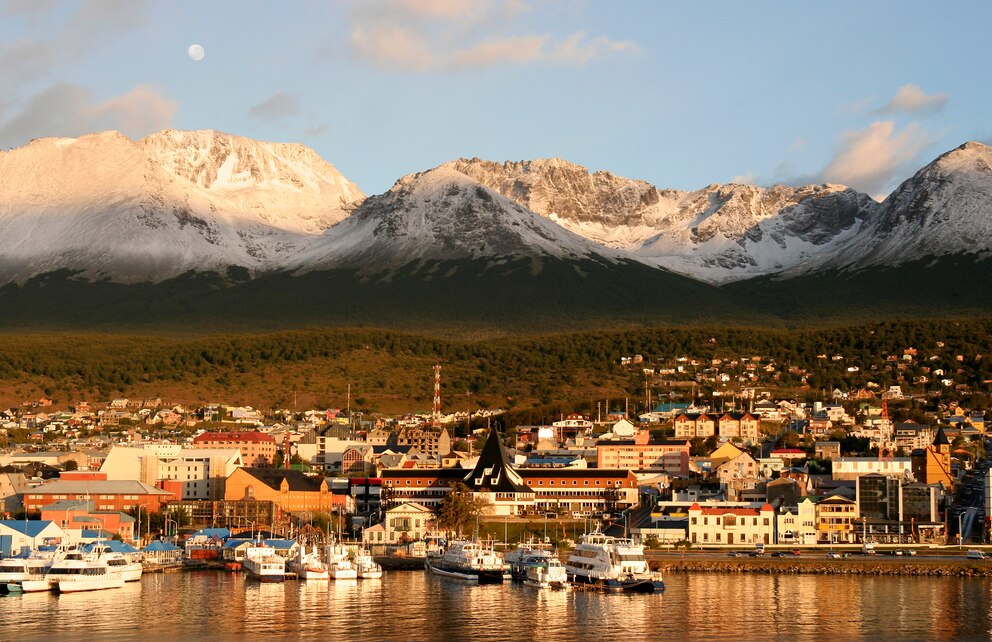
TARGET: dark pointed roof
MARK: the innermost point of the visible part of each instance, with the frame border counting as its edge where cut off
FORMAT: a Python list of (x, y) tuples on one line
[(492, 473), (941, 439)]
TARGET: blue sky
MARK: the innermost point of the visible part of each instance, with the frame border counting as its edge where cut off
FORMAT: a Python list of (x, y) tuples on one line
[(680, 94)]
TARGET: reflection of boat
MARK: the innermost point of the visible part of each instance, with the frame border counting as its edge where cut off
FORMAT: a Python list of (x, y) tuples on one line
[(469, 561), (84, 571), (262, 563), (307, 565), (365, 565), (339, 564), (611, 563)]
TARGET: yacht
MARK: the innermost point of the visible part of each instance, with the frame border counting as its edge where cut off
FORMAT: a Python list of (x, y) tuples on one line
[(469, 561), (526, 553), (339, 563), (307, 565), (119, 564), (83, 571), (612, 564), (365, 565), (14, 571), (546, 572), (262, 563)]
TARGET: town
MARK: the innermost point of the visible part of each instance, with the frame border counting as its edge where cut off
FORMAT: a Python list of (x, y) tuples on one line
[(728, 465)]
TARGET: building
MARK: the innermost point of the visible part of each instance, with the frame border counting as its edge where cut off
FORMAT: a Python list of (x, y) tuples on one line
[(836, 517), (105, 494), (257, 449), (896, 512), (290, 490), (407, 522), (726, 526), (932, 465), (428, 441), (693, 425), (79, 515), (19, 535), (515, 491), (738, 425), (201, 472), (641, 454), (796, 524), (853, 467), (826, 449)]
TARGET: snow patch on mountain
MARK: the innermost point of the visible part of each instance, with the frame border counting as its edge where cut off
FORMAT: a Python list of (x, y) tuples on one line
[(442, 214)]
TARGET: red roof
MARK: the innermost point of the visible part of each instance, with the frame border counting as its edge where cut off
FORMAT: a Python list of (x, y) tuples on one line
[(234, 436), (789, 451), (732, 511)]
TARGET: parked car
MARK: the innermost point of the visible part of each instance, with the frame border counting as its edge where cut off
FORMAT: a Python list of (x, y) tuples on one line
[(796, 551), (975, 554), (734, 554), (778, 554), (909, 551), (833, 555)]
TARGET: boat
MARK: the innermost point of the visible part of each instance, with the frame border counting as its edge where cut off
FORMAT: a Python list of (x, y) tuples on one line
[(609, 563), (262, 563), (469, 561), (119, 564), (307, 565), (523, 554), (546, 572), (366, 566), (14, 571), (82, 570), (339, 563)]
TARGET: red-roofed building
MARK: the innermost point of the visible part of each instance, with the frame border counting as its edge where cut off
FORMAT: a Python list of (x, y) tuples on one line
[(789, 455), (257, 449), (731, 525)]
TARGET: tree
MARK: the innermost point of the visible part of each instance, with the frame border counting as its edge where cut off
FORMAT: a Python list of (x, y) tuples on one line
[(460, 508)]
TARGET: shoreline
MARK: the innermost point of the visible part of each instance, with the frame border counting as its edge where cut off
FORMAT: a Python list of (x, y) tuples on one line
[(799, 566)]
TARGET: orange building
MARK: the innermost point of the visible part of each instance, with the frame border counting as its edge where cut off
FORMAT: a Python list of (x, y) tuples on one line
[(257, 449), (290, 490), (932, 465)]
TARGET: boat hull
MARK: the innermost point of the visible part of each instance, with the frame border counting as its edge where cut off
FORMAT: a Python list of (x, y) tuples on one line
[(481, 576), (77, 586), (344, 574), (614, 585), (35, 586)]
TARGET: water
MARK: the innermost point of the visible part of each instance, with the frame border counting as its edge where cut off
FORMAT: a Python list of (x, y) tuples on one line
[(181, 607)]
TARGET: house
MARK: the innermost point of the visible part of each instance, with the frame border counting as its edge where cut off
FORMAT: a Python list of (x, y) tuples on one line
[(404, 523), (693, 425), (796, 524), (836, 518), (726, 526), (826, 449), (18, 535), (738, 425)]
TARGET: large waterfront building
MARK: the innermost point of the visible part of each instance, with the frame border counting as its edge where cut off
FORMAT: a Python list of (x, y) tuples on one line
[(718, 525), (513, 491), (836, 518), (290, 490), (106, 495), (200, 472)]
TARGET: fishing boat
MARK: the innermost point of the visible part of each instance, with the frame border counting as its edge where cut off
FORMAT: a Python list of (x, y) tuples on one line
[(365, 565), (609, 563), (262, 563), (307, 565), (470, 562), (339, 563)]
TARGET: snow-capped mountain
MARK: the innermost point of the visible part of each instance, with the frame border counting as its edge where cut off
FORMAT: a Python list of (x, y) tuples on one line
[(444, 215), (718, 233), (111, 207), (944, 209)]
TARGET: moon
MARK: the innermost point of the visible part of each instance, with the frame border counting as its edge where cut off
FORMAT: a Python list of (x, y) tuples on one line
[(195, 52)]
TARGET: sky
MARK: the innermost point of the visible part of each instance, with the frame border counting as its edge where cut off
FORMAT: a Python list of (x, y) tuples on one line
[(680, 94)]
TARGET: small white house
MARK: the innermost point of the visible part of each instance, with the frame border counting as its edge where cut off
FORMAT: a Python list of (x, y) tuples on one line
[(17, 535)]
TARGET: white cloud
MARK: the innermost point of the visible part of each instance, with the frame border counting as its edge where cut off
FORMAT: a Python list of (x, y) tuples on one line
[(913, 100), (425, 35), (277, 106), (69, 110), (871, 158)]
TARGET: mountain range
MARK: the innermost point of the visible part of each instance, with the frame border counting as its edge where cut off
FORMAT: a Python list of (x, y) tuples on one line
[(275, 232)]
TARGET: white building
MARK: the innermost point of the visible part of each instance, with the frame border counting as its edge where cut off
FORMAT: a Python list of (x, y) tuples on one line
[(17, 535), (797, 524), (726, 526), (854, 467), (200, 471)]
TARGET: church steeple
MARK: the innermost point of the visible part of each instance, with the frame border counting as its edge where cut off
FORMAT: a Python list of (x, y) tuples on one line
[(492, 473)]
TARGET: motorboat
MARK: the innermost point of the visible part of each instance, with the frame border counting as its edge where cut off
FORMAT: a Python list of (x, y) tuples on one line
[(307, 565), (119, 564), (82, 570), (611, 563), (339, 563), (31, 568), (469, 561), (546, 572), (365, 565), (263, 564), (526, 553)]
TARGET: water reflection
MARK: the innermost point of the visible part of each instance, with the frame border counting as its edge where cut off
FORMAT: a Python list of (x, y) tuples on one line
[(414, 605)]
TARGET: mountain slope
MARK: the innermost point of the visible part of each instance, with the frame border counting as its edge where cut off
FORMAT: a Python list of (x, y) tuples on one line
[(110, 207), (718, 233)]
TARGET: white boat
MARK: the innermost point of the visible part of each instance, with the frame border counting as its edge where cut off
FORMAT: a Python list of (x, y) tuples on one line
[(469, 561), (546, 572), (523, 554), (14, 571), (262, 563), (611, 563), (119, 565), (307, 565), (366, 565), (83, 571), (339, 563)]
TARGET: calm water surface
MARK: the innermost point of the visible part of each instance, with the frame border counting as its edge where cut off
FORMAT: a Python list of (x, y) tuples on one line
[(415, 606)]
